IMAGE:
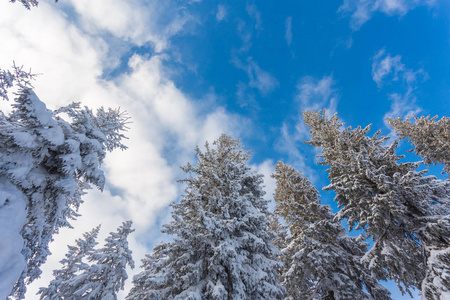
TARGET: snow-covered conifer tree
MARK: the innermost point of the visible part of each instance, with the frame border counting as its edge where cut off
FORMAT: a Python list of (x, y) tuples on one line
[(221, 247), (28, 4), (398, 207), (102, 278), (431, 140), (321, 260), (430, 137), (74, 262), (52, 157)]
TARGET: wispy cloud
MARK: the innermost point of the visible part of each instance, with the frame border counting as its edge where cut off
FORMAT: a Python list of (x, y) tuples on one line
[(312, 94), (386, 70), (254, 13), (315, 94), (259, 79), (288, 34), (384, 65), (221, 12), (291, 143), (402, 105), (247, 29), (361, 11)]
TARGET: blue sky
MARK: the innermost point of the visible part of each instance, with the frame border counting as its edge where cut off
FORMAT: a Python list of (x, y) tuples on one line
[(187, 71)]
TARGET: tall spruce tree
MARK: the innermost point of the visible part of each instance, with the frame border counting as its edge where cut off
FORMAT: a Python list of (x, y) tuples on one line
[(52, 157), (221, 247), (398, 207), (321, 260), (431, 140), (102, 278)]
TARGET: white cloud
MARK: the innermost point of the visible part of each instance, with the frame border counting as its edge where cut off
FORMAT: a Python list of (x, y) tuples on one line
[(45, 42), (245, 34), (386, 70), (254, 13), (291, 142), (260, 79), (246, 30), (288, 34), (402, 105), (245, 96), (312, 94), (221, 12), (136, 21), (383, 65), (362, 11), (167, 124)]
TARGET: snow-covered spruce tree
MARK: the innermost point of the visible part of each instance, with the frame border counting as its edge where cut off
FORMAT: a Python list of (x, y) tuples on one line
[(28, 3), (73, 263), (429, 136), (107, 276), (52, 160), (431, 140), (321, 260), (103, 278), (397, 206), (221, 247)]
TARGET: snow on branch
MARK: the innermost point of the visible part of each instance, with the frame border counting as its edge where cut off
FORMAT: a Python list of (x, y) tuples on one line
[(15, 77), (28, 3)]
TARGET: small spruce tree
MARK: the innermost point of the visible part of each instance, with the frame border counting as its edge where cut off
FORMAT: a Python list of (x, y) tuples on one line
[(221, 247), (73, 263), (102, 278)]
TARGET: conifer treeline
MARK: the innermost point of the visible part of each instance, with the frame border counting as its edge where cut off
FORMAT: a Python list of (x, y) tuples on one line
[(226, 243), (225, 239)]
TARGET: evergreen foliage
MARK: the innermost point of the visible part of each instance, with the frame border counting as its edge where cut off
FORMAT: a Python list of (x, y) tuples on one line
[(321, 260), (401, 209), (430, 137), (280, 230), (103, 278), (73, 263), (436, 235), (28, 4), (52, 157), (221, 247)]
